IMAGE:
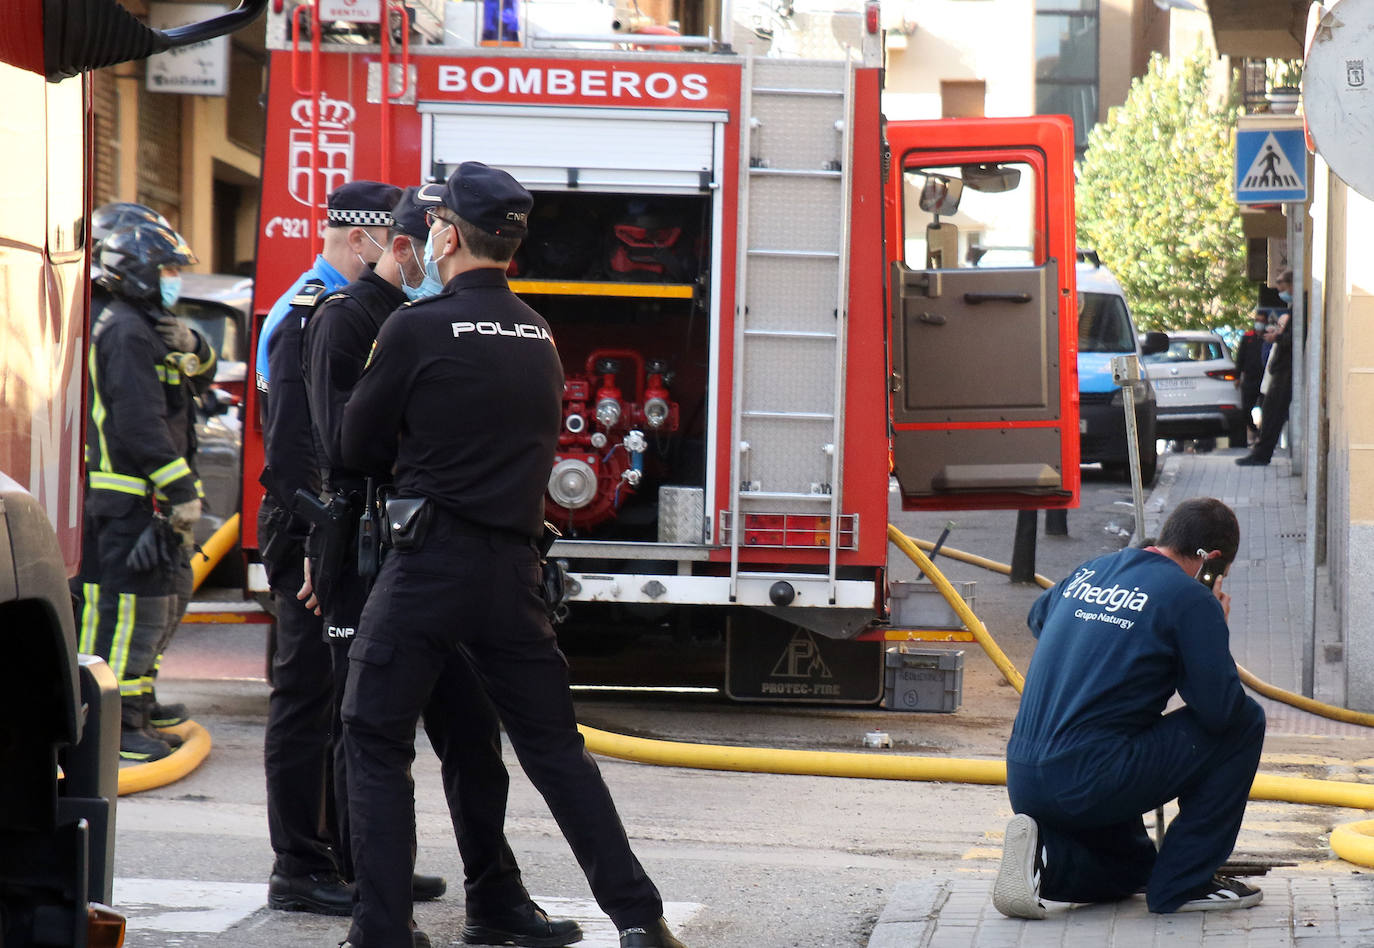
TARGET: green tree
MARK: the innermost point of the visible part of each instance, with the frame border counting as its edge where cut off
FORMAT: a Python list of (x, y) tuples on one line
[(1155, 200)]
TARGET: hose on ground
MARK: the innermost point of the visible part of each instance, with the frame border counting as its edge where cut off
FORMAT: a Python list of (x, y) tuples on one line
[(213, 550)]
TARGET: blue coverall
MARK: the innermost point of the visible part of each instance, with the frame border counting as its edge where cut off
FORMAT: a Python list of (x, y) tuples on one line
[(1091, 749)]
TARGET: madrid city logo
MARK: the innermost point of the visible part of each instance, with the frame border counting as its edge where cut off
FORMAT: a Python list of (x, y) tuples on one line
[(320, 154)]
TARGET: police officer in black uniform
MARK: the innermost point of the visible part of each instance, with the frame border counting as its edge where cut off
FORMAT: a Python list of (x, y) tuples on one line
[(460, 720), (311, 870), (462, 397)]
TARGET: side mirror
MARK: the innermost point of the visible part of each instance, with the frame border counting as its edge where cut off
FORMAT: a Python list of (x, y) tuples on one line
[(1154, 342), (940, 195)]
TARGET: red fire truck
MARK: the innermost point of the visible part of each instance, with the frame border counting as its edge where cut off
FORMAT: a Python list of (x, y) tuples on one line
[(768, 299), (59, 713)]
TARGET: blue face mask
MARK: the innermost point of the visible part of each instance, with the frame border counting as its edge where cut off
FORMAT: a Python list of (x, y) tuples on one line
[(432, 283), (170, 287), (1285, 296)]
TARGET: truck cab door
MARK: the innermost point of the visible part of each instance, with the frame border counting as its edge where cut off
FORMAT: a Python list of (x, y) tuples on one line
[(980, 237)]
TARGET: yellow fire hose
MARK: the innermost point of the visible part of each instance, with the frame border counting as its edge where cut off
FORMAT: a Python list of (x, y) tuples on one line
[(196, 741), (1353, 842)]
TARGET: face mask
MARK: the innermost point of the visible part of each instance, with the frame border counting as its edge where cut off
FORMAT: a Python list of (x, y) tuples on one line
[(413, 292), (170, 287), (1285, 296), (432, 282), (1260, 325)]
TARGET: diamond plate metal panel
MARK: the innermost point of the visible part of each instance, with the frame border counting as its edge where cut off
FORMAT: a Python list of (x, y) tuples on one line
[(681, 514), (794, 213), (787, 455), (797, 131), (798, 74), (790, 375), (791, 294)]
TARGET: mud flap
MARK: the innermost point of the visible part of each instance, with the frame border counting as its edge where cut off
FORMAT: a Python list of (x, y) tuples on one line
[(767, 659)]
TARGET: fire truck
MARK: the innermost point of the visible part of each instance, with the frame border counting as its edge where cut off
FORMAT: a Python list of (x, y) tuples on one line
[(771, 303), (59, 712)]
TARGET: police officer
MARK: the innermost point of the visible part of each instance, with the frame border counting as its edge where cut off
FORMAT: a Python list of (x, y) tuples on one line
[(297, 744), (459, 720), (463, 397), (143, 497)]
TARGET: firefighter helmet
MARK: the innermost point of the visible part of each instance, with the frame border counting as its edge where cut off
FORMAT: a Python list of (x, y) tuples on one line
[(119, 215), (131, 259)]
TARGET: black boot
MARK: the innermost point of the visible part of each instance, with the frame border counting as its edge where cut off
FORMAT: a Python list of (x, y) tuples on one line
[(655, 935), (167, 715), (526, 925), (136, 741)]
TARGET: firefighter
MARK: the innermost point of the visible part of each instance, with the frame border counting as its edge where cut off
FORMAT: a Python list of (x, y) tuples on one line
[(462, 397), (143, 498), (460, 720), (310, 871)]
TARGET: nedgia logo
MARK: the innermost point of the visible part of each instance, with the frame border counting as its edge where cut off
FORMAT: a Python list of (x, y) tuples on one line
[(1114, 597)]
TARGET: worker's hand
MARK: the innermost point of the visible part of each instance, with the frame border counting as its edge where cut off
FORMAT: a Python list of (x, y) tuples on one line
[(307, 592), (1222, 597), (176, 334), (185, 514)]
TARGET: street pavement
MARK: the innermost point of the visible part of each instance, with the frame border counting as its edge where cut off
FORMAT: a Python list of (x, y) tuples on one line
[(1317, 902)]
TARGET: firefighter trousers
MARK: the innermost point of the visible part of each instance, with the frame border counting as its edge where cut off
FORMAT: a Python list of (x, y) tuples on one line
[(1088, 806), (297, 750), (462, 593), (123, 613), (465, 733)]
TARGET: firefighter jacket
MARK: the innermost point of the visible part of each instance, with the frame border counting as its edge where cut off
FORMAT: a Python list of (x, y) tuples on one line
[(338, 339), (140, 433)]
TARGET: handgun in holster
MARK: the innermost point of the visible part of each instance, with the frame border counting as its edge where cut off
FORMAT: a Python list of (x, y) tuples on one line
[(276, 539), (331, 534), (553, 577)]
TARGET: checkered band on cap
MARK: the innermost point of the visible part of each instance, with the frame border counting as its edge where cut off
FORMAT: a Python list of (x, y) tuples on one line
[(361, 218)]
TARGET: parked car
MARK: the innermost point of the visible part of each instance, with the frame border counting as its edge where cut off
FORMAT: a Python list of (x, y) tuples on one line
[(218, 305), (1195, 386), (1105, 330)]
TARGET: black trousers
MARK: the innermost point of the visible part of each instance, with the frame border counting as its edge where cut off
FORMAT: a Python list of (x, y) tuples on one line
[(297, 750), (1249, 398), (473, 596), (1088, 806), (466, 736), (1273, 416)]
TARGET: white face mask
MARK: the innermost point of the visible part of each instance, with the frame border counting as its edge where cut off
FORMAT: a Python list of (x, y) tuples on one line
[(432, 283), (428, 285), (170, 288)]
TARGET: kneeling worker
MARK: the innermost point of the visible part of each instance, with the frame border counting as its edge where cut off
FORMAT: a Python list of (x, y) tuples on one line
[(1092, 749)]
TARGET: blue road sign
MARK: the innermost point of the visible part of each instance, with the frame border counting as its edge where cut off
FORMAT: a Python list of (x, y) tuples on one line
[(1271, 165)]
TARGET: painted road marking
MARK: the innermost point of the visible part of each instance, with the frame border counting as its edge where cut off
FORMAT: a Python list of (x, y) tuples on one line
[(192, 907)]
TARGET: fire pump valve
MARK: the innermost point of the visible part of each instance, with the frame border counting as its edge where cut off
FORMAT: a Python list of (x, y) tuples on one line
[(602, 447)]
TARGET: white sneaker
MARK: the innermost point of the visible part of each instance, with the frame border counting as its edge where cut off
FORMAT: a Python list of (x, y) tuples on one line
[(1016, 893), (1223, 893)]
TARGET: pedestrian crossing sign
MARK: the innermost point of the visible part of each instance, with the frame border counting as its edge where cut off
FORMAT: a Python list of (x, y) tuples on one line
[(1271, 163)]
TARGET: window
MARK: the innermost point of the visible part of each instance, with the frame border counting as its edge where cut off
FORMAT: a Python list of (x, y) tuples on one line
[(1066, 63), (1103, 324), (1189, 350), (974, 215), (962, 98)]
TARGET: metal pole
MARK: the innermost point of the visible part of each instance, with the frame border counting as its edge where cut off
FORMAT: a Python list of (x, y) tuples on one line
[(1126, 372), (1023, 550), (1298, 425), (1057, 523), (1312, 327)]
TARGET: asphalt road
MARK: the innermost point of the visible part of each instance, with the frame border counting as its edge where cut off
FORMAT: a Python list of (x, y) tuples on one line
[(741, 859)]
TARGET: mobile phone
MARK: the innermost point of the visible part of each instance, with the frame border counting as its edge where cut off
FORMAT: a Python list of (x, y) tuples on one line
[(1208, 579)]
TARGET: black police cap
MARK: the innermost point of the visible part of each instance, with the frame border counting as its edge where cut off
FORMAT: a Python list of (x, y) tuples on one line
[(362, 204), (487, 197), (409, 213)]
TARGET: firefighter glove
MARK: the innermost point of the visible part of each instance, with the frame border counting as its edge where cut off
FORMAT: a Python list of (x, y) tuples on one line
[(176, 334), (147, 552), (185, 514)]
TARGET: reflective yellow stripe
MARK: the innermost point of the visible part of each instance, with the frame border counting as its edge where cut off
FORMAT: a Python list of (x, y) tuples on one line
[(200, 489), (131, 688), (98, 410), (90, 616), (161, 373), (170, 472), (119, 645), (146, 685), (124, 483)]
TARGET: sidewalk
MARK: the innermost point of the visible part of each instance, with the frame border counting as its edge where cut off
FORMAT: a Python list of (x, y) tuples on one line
[(1299, 907)]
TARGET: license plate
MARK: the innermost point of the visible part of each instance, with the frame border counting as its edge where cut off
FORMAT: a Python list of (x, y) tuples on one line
[(1175, 384)]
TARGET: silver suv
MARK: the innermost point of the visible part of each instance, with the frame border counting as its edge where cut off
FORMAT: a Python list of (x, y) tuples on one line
[(1196, 390)]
